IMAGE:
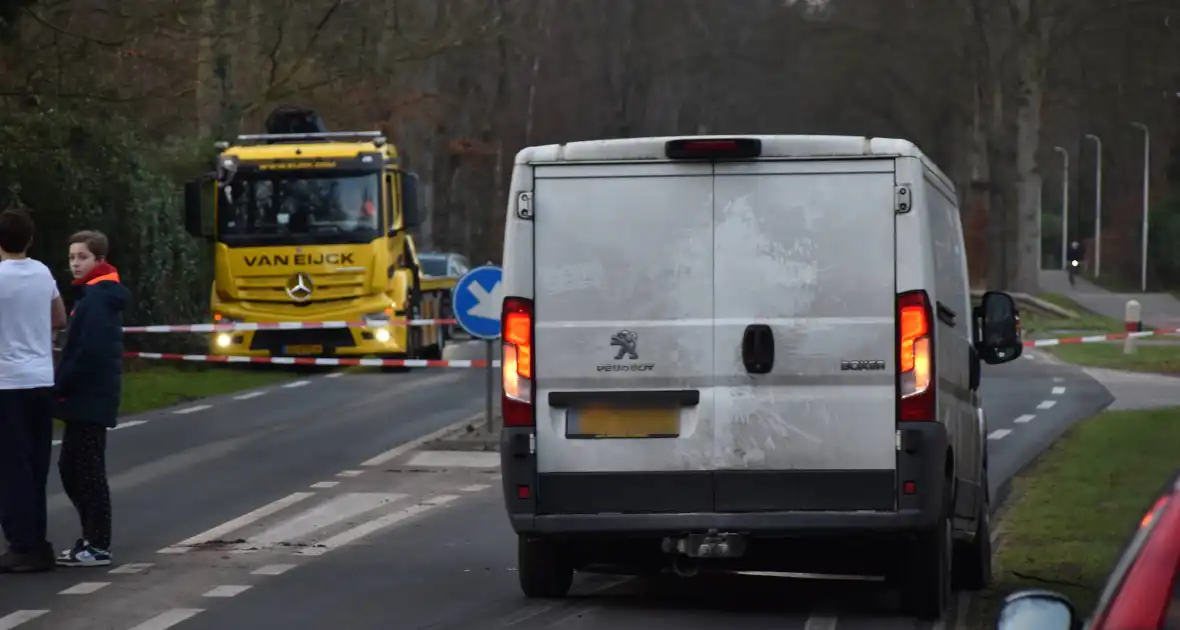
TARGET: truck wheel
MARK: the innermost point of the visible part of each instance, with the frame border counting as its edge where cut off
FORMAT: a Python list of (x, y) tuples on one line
[(544, 567), (926, 572), (973, 560)]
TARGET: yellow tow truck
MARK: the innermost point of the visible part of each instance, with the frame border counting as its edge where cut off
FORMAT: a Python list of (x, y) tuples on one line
[(312, 226)]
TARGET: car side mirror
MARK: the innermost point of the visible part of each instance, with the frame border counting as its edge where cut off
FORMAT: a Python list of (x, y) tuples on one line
[(1037, 610), (998, 325)]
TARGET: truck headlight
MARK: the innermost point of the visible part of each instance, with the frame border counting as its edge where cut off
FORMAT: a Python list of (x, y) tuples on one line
[(379, 322), (381, 334), (224, 340)]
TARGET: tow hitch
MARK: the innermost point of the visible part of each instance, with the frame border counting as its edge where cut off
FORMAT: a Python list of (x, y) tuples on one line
[(712, 544)]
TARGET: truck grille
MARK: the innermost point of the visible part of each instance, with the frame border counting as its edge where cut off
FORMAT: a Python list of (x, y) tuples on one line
[(275, 341), (328, 286)]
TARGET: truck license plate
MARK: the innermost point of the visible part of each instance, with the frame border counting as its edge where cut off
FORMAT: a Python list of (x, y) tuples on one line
[(303, 349)]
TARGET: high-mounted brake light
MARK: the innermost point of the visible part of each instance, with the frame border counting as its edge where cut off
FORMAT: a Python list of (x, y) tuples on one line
[(713, 149), (915, 357), (516, 362), (1146, 592)]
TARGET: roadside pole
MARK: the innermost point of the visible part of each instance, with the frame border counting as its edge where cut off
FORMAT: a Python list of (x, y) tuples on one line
[(478, 300), (491, 371)]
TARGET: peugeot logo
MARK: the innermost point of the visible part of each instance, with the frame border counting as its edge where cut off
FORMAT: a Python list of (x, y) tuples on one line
[(300, 287)]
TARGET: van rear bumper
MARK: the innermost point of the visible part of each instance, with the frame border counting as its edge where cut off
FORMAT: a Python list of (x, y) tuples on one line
[(757, 524), (770, 504)]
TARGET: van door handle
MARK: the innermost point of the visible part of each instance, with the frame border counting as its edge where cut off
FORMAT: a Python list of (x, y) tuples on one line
[(758, 349)]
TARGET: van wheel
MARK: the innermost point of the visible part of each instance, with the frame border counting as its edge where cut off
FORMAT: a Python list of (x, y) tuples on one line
[(926, 572), (973, 560), (544, 567)]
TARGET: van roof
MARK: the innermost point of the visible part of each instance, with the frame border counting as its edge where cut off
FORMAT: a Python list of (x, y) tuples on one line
[(778, 146)]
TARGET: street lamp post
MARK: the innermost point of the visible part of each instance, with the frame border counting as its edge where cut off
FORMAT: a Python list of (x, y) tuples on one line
[(1146, 199), (1064, 208), (1097, 206)]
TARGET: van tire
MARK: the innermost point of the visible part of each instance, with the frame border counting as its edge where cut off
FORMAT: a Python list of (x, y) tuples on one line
[(973, 559), (544, 568), (926, 572)]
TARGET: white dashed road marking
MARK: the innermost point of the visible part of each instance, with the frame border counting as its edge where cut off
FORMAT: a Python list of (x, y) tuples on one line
[(228, 590), (130, 568), (294, 384), (998, 434), (84, 588), (350, 473), (820, 623), (1057, 391), (1046, 404), (238, 523), (170, 618), (325, 484), (475, 487), (1025, 419), (249, 395), (8, 622), (273, 569), (193, 409)]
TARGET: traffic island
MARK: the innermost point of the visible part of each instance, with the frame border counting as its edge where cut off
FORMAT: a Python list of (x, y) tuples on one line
[(472, 436), (1161, 356), (1069, 516)]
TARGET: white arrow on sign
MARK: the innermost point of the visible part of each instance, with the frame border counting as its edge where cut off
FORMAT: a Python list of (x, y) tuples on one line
[(487, 304)]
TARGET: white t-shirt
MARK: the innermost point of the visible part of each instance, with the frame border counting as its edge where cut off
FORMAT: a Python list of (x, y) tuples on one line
[(27, 290)]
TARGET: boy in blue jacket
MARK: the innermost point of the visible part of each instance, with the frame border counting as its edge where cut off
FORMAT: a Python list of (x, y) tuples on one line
[(88, 393)]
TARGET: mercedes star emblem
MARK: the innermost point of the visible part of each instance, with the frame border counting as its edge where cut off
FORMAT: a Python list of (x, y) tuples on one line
[(300, 287)]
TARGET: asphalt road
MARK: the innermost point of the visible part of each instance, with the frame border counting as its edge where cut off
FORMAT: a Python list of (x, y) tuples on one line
[(289, 509)]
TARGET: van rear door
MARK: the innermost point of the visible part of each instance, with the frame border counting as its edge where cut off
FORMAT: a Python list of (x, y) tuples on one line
[(623, 311), (804, 273)]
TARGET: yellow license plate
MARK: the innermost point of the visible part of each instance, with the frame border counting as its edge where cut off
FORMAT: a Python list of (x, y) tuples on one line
[(304, 349), (612, 422)]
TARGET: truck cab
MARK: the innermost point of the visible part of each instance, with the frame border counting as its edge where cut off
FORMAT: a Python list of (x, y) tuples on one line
[(312, 226)]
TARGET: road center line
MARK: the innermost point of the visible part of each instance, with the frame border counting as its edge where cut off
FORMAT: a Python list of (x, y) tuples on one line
[(1025, 419), (169, 618), (228, 590), (998, 434), (1046, 404), (1057, 391), (193, 409)]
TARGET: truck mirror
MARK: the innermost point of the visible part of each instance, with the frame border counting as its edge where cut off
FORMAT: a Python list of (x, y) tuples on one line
[(194, 206), (410, 201)]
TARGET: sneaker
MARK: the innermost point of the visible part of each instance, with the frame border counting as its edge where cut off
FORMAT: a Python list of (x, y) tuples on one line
[(84, 554)]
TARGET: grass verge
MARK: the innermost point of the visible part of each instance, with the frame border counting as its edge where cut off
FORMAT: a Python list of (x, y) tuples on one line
[(1034, 322), (1164, 359), (148, 387), (1070, 515)]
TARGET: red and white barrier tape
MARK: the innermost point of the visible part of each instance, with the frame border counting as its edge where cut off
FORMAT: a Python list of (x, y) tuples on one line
[(209, 358), (1039, 343), (206, 328)]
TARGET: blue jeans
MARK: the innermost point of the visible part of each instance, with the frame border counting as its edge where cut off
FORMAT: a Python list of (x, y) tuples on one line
[(26, 448)]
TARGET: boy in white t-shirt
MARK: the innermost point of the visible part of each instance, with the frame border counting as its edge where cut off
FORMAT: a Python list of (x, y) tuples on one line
[(30, 309)]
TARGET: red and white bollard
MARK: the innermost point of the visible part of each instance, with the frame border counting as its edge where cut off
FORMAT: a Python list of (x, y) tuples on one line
[(1133, 323)]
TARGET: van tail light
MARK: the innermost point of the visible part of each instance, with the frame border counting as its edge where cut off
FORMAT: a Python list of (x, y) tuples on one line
[(516, 362), (1146, 592), (915, 357)]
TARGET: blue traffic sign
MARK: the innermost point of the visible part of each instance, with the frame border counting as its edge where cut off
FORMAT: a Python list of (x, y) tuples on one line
[(478, 298)]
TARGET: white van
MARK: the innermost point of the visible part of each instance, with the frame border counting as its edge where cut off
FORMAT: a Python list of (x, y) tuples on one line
[(746, 353)]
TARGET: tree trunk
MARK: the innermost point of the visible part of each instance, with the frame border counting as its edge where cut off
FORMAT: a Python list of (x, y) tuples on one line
[(1030, 59)]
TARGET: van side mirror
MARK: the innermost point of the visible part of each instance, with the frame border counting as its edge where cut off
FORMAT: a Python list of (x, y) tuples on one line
[(411, 212), (195, 200), (1037, 610), (998, 328)]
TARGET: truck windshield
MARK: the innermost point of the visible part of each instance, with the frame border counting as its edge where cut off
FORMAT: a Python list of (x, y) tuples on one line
[(301, 208)]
